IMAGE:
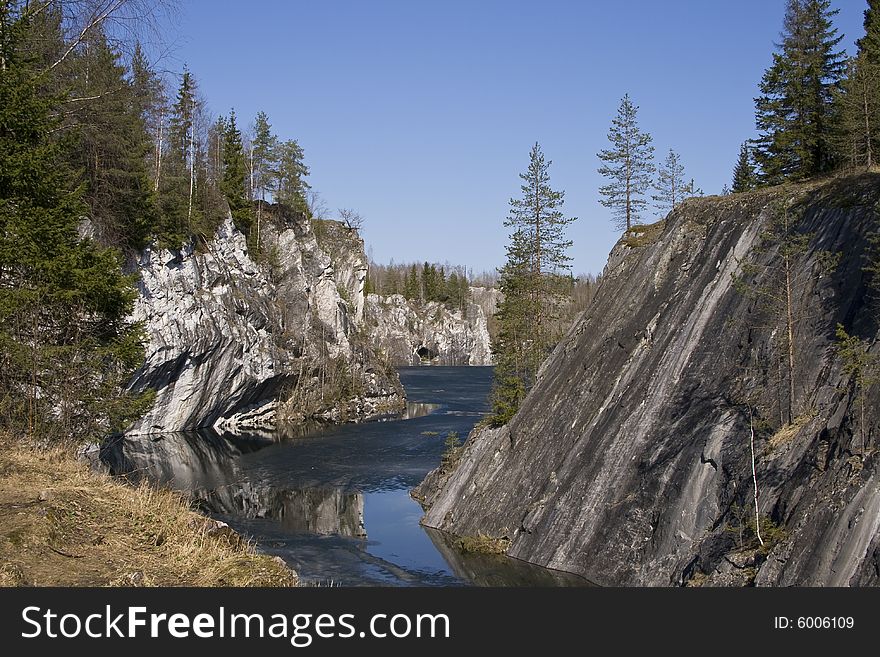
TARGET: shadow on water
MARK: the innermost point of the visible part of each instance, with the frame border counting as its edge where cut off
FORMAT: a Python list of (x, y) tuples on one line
[(496, 569), (334, 501)]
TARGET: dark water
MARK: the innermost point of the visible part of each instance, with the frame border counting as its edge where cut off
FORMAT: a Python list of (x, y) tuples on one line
[(335, 503)]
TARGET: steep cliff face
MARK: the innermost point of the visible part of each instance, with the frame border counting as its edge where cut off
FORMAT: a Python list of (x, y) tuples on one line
[(630, 461), (413, 333), (235, 343)]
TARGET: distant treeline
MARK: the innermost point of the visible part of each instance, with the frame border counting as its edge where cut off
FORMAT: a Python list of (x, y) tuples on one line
[(450, 285), (424, 282)]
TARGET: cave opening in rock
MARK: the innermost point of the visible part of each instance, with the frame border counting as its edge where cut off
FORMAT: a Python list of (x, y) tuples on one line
[(426, 353)]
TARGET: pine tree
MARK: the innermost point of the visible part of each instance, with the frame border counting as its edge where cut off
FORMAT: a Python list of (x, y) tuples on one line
[(234, 181), (794, 111), (534, 284), (265, 145), (670, 183), (66, 346), (629, 166), (744, 172), (264, 148), (778, 285)]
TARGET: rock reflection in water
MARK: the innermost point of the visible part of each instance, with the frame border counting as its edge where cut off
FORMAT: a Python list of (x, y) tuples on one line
[(204, 464), (310, 494), (314, 510), (181, 460), (418, 409), (497, 569)]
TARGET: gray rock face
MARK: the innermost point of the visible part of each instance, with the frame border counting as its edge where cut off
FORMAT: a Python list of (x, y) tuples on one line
[(629, 461), (412, 333), (234, 343)]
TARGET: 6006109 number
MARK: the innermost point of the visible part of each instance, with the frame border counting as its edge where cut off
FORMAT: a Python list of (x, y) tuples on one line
[(814, 622)]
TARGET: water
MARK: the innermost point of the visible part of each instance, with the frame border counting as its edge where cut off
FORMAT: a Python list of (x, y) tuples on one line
[(334, 502)]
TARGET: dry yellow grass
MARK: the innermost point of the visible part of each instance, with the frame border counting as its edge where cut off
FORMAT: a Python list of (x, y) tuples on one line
[(482, 544), (787, 432), (63, 525)]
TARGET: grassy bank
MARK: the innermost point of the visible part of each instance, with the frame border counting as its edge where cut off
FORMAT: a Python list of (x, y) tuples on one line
[(63, 525)]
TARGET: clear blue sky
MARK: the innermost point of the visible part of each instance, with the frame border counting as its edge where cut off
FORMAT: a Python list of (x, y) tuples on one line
[(420, 115)]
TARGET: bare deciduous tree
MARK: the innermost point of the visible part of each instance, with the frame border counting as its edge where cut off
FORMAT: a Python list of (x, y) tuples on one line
[(352, 220)]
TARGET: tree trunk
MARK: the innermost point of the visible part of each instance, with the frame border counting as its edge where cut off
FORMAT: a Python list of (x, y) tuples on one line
[(158, 151), (192, 168), (754, 476), (789, 326), (867, 126)]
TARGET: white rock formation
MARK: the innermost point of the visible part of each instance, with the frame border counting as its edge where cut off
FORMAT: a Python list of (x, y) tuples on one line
[(411, 333), (233, 343)]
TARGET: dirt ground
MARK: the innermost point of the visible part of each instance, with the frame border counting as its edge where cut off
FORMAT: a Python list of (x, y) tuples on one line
[(63, 525)]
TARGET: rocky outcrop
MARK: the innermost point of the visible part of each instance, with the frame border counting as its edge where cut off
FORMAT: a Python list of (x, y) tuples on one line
[(235, 343), (412, 333), (629, 462)]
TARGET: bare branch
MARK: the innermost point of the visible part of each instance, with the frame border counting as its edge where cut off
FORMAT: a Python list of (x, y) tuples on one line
[(352, 220)]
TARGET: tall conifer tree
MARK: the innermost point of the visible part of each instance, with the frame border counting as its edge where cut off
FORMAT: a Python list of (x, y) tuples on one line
[(290, 183), (869, 45), (234, 181), (534, 284), (744, 172), (112, 147), (794, 111), (629, 165), (670, 185), (177, 180), (66, 346)]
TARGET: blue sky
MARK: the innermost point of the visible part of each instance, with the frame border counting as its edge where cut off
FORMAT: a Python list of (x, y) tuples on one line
[(420, 115)]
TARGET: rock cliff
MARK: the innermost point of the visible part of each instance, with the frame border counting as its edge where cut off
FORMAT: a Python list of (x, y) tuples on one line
[(412, 333), (234, 342), (629, 462)]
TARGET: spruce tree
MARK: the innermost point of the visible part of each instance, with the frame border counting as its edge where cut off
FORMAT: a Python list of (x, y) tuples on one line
[(670, 183), (411, 286), (290, 183), (744, 172), (233, 185), (512, 348), (177, 182), (111, 147), (794, 111), (858, 103), (629, 166), (148, 98), (533, 281), (858, 110), (66, 346), (869, 45)]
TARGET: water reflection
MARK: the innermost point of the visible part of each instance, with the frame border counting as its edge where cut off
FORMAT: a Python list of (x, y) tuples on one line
[(498, 570), (418, 409), (334, 501), (318, 511)]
